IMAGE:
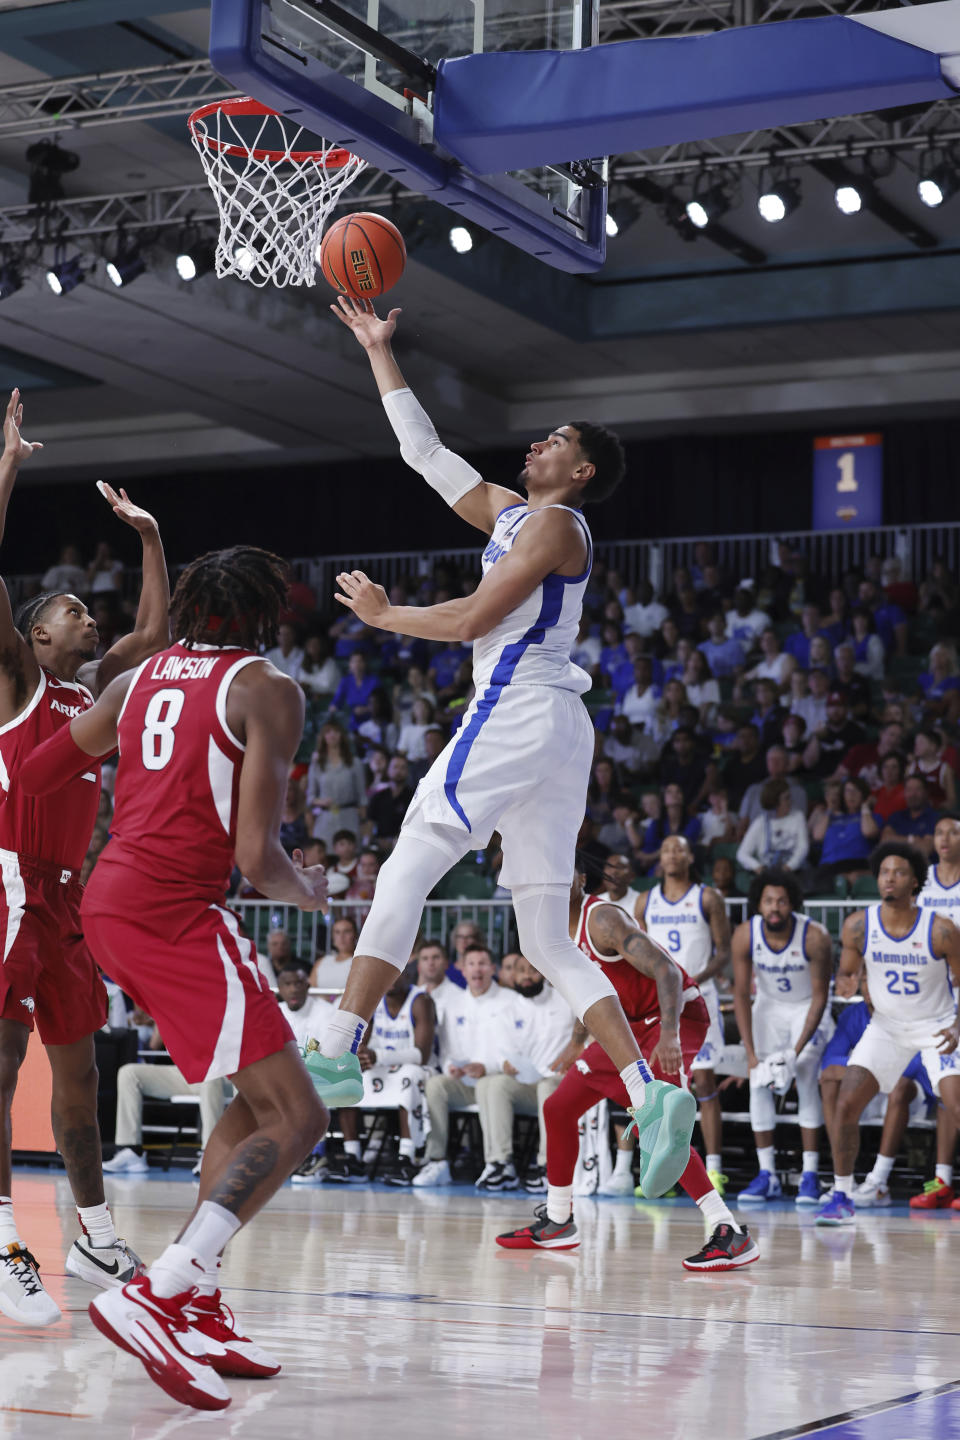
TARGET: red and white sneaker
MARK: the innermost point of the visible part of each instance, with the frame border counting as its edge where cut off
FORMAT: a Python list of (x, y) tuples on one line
[(727, 1249), (156, 1330), (229, 1352), (543, 1234)]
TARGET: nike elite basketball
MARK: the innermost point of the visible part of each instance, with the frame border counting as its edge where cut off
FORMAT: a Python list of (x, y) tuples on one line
[(362, 255)]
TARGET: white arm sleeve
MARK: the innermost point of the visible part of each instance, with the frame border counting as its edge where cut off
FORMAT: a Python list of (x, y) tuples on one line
[(420, 447)]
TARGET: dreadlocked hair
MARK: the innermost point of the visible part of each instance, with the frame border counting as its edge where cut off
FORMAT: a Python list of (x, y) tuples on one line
[(31, 612), (231, 597)]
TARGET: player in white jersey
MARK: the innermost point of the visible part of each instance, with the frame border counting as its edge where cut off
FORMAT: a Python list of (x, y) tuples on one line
[(690, 922), (941, 896), (394, 1057), (521, 760), (617, 874), (785, 1030), (909, 956)]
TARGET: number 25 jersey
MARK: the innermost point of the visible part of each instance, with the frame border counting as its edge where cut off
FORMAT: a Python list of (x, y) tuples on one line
[(175, 800), (908, 983)]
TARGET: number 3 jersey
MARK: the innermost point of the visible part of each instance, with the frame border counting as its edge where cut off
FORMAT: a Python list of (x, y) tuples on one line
[(175, 799), (782, 976), (909, 985)]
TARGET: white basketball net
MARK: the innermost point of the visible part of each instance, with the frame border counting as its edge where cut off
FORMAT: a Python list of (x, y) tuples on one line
[(273, 192)]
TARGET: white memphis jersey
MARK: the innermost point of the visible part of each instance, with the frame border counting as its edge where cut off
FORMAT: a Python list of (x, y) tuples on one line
[(393, 1032), (908, 983), (782, 976), (532, 645), (680, 927), (943, 900)]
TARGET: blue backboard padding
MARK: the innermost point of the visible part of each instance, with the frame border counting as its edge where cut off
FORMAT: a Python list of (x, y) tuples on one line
[(343, 113), (506, 110)]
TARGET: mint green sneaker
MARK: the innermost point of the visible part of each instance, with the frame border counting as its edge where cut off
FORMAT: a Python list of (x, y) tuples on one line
[(337, 1082), (664, 1125)]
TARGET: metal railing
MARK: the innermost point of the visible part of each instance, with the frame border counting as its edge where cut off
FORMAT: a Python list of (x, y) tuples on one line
[(310, 933)]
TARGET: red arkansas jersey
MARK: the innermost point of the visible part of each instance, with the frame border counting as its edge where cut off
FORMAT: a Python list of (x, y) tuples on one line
[(53, 828), (175, 800), (637, 993)]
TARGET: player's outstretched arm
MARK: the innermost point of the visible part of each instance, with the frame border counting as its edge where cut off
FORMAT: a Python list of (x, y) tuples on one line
[(456, 481), (272, 708), (719, 922), (550, 540), (19, 670), (852, 939), (820, 950), (90, 735), (742, 981), (151, 630)]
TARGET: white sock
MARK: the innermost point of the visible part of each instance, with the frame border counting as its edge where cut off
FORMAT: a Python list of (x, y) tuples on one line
[(559, 1203), (714, 1162), (179, 1269), (97, 1224), (811, 1161), (843, 1184), (210, 1283), (8, 1226), (352, 1147), (624, 1163), (184, 1265), (636, 1077), (407, 1149), (767, 1157), (945, 1173), (715, 1212), (344, 1032), (881, 1168)]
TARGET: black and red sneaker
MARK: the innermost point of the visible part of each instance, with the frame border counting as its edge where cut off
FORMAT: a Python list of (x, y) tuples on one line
[(543, 1234), (727, 1249)]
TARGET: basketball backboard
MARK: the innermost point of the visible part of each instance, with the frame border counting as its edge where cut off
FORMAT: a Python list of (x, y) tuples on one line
[(362, 73)]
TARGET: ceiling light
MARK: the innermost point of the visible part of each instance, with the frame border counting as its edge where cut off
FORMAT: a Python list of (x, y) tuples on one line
[(461, 239), (778, 199), (65, 275), (621, 215), (697, 214), (938, 180), (124, 269), (195, 260), (848, 199)]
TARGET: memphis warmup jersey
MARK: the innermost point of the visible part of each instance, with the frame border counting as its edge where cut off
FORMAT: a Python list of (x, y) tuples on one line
[(782, 976), (908, 983), (531, 645), (393, 1032), (943, 900), (680, 927), (55, 828)]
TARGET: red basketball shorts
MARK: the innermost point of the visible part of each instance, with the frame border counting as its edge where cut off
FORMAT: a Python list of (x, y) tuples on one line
[(602, 1076), (48, 977), (195, 973)]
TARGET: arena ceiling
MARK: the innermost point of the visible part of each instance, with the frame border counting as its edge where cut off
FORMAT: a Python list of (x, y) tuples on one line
[(821, 320)]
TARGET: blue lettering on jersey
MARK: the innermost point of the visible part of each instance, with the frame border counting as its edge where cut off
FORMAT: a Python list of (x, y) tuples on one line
[(887, 957)]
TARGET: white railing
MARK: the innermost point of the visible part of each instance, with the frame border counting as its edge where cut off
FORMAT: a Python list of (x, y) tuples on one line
[(495, 919)]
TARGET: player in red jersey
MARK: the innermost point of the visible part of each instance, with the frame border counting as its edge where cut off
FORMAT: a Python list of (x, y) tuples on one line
[(207, 731), (48, 674), (670, 1020)]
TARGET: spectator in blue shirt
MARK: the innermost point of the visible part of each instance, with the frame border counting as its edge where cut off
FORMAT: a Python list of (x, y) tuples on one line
[(769, 714), (890, 620), (918, 821), (625, 675), (444, 665), (353, 693), (614, 652), (672, 820), (940, 685), (847, 828), (798, 644), (724, 656), (836, 625)]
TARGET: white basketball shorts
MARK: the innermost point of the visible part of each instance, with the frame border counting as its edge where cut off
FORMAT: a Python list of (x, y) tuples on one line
[(519, 764), (778, 1027), (712, 1047), (886, 1050)]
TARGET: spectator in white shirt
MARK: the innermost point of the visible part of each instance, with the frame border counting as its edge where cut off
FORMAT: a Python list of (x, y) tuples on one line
[(776, 665), (433, 963), (319, 673), (69, 576), (646, 614), (778, 837), (702, 690), (527, 1078), (286, 655), (307, 1014), (477, 1033), (718, 825), (639, 703), (330, 972), (746, 622), (586, 647), (631, 749), (411, 740), (813, 704)]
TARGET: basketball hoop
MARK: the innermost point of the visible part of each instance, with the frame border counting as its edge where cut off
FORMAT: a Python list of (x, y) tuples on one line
[(273, 198)]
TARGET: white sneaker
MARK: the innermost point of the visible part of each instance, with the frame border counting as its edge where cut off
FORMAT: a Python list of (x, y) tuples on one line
[(871, 1192), (22, 1296), (617, 1185), (435, 1172), (103, 1265), (126, 1162), (158, 1333)]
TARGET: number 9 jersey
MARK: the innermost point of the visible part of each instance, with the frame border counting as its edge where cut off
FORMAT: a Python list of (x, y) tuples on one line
[(175, 803)]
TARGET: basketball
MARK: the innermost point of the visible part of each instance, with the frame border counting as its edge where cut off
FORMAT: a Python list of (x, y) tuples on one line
[(362, 255)]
